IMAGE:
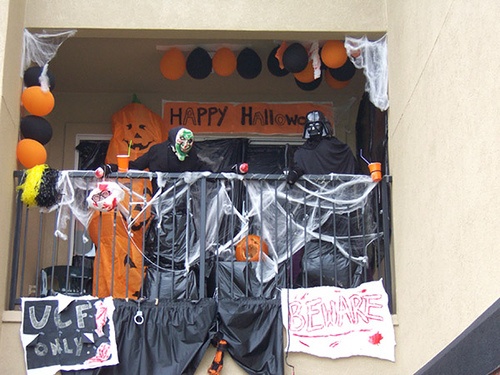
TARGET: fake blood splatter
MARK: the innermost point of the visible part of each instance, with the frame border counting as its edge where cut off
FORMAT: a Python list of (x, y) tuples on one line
[(376, 338)]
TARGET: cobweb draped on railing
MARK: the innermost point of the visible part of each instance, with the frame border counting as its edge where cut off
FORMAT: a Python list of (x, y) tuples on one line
[(331, 209)]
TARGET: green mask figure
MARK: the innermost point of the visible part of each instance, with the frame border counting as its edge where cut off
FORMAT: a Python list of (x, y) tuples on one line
[(183, 143)]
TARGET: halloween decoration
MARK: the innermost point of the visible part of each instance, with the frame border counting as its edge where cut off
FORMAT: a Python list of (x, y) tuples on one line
[(120, 273), (333, 83), (249, 248), (173, 64), (30, 153), (40, 48), (249, 64), (37, 101), (273, 64), (106, 196), (218, 361), (32, 76), (39, 187), (199, 63), (306, 75), (37, 128), (333, 54), (137, 123), (322, 153), (118, 265), (371, 56), (295, 58), (224, 62), (313, 85), (345, 72)]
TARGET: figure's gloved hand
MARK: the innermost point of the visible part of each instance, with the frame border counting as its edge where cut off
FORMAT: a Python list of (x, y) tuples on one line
[(105, 170), (292, 177)]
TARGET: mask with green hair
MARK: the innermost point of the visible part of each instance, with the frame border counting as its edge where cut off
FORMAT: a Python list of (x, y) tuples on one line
[(183, 143)]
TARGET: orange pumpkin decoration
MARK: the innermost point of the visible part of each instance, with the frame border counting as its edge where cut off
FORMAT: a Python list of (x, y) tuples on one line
[(249, 248), (137, 123)]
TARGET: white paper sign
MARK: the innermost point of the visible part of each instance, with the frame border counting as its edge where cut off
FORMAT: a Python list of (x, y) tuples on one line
[(335, 323)]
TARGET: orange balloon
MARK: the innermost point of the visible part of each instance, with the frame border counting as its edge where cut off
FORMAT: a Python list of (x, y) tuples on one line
[(307, 75), (31, 153), (36, 101), (334, 83), (224, 62), (334, 54), (173, 64)]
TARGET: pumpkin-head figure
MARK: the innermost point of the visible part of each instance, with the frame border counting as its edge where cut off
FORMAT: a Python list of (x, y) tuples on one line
[(249, 248), (134, 126)]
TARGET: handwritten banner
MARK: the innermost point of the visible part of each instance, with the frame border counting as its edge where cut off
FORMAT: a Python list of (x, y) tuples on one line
[(335, 323), (251, 118), (66, 333)]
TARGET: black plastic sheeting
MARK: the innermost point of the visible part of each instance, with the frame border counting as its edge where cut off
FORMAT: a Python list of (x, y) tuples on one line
[(253, 329), (175, 336), (239, 280), (171, 284), (92, 154)]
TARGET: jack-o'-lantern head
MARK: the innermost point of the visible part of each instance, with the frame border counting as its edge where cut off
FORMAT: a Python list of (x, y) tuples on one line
[(249, 248), (133, 126)]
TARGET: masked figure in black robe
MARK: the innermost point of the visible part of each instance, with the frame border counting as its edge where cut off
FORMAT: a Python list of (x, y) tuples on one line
[(176, 154), (322, 153)]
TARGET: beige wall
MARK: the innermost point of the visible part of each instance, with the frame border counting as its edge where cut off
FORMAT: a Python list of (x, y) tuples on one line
[(444, 134), (442, 127)]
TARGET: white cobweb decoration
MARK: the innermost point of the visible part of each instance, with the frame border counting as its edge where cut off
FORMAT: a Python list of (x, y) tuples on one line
[(40, 49), (371, 56)]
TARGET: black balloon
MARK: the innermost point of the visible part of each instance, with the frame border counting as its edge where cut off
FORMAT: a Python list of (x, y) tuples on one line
[(273, 65), (248, 63), (32, 75), (345, 72), (199, 63), (310, 85), (295, 58), (37, 128)]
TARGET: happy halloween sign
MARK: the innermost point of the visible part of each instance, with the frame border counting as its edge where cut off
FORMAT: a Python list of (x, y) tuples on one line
[(65, 333), (335, 322), (254, 118)]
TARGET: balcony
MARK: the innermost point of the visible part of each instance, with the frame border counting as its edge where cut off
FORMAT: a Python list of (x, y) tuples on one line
[(222, 242)]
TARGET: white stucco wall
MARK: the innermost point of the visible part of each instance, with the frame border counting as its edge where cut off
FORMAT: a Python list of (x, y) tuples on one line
[(444, 133)]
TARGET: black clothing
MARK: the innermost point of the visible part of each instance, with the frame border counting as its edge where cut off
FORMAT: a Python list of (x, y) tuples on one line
[(161, 158), (322, 156)]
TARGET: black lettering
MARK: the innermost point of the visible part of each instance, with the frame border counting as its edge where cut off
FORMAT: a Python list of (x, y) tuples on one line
[(246, 115)]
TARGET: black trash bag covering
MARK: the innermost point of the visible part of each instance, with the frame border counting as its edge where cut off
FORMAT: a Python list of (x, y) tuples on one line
[(92, 154), (170, 284), (172, 340), (253, 329), (222, 154), (323, 266), (272, 159), (166, 243), (239, 280)]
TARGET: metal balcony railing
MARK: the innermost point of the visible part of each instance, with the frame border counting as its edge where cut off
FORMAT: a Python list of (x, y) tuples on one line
[(195, 235)]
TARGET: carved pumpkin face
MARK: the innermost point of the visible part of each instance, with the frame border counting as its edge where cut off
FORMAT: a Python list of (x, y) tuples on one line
[(137, 125), (249, 248)]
